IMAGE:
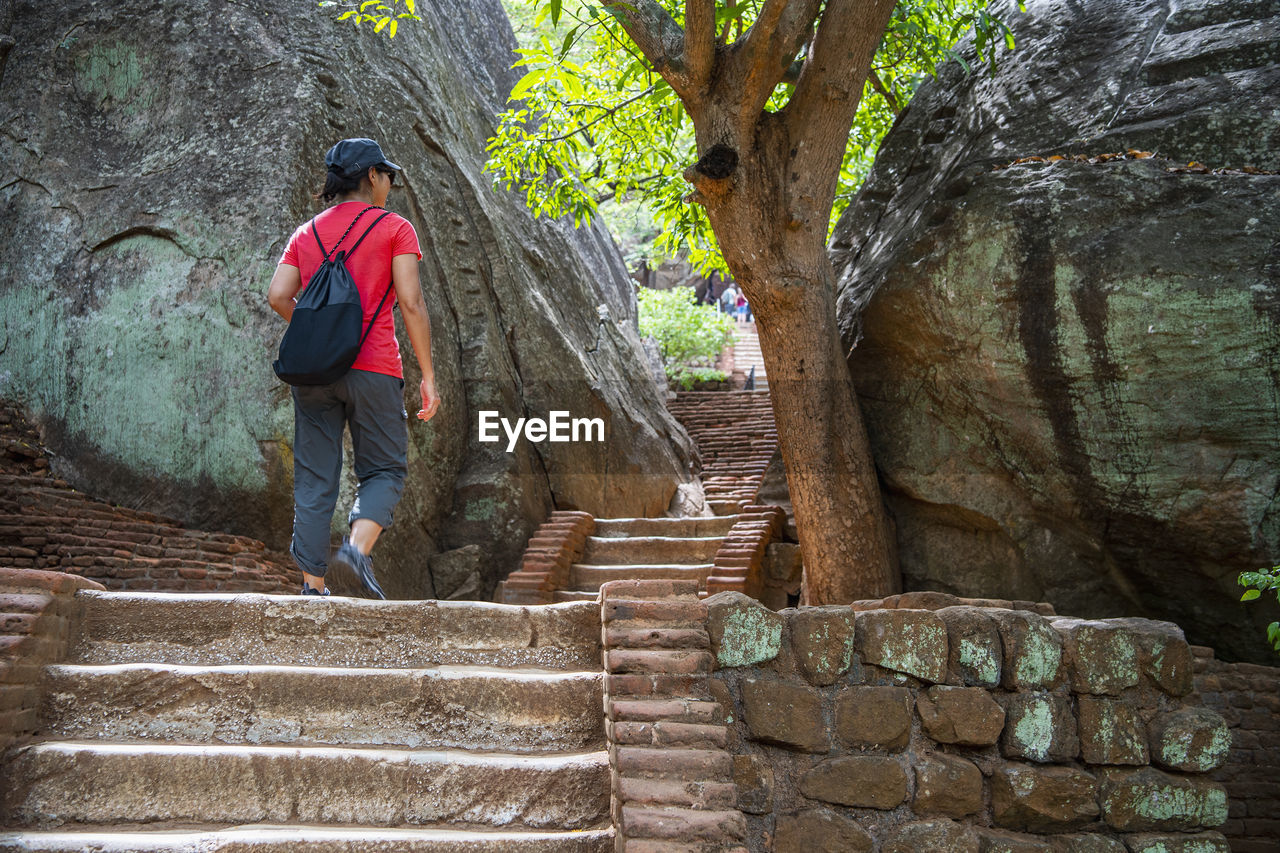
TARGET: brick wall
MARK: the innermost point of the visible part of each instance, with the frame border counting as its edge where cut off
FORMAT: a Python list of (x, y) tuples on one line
[(964, 726), (37, 623), (46, 524), (555, 546), (1248, 698)]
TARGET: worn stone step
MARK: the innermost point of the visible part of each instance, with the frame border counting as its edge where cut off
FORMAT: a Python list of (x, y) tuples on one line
[(441, 708), (650, 549), (585, 577), (62, 782), (309, 839), (700, 526), (576, 595), (210, 629)]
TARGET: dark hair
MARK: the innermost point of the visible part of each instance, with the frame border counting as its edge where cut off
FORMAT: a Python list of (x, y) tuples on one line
[(335, 185)]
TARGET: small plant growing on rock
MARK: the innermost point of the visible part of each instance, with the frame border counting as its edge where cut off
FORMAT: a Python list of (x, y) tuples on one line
[(1259, 582), (689, 336)]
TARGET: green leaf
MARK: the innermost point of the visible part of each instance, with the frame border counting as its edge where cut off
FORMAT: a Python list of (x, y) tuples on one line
[(1250, 595), (555, 11), (391, 33), (367, 3), (346, 15)]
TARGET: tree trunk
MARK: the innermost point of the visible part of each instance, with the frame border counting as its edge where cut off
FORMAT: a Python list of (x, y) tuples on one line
[(834, 489)]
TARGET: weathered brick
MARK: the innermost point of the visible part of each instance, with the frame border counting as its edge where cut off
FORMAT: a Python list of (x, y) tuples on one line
[(1150, 800), (655, 685), (947, 785), (692, 735), (822, 642), (1032, 649), (815, 830), (1102, 655), (675, 792), (857, 780), (784, 713), (962, 715), (1043, 799), (1181, 842), (656, 638), (674, 614), (753, 776), (1111, 732), (658, 661), (974, 653), (652, 710), (910, 641), (743, 631), (690, 764), (876, 717), (1193, 740), (1086, 842), (682, 824), (938, 834), (1039, 726)]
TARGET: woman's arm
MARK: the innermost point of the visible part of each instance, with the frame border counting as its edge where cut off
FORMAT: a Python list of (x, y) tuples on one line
[(404, 274), (285, 284)]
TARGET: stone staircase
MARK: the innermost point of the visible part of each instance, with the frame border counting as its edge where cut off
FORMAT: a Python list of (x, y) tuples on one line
[(646, 549), (736, 437), (215, 722), (746, 354)]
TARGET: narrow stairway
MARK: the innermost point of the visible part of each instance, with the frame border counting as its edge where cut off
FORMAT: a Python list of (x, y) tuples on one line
[(646, 549), (746, 354), (224, 722)]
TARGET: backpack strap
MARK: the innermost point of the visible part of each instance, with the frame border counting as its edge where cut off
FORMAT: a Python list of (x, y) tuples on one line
[(376, 312), (344, 233), (352, 250)]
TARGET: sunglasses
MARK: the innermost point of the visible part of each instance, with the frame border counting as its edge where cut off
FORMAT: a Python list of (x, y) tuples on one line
[(391, 176)]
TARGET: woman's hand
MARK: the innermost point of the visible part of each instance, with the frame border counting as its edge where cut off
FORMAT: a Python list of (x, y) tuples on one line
[(430, 399)]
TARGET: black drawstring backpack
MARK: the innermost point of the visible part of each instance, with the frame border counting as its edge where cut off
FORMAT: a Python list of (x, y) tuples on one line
[(323, 338)]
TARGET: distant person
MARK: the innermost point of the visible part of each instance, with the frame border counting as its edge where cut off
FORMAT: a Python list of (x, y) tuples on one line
[(729, 299), (744, 311), (369, 398)]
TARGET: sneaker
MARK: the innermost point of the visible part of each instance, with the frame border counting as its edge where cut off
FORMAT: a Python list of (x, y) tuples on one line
[(351, 573), (307, 590)]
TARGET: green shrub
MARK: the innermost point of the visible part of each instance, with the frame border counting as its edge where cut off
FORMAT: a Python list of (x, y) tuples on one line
[(689, 335), (1260, 581)]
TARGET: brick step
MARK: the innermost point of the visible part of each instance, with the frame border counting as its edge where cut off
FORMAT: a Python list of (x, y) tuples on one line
[(213, 629), (60, 783), (650, 549), (684, 527), (589, 577), (510, 711), (308, 839)]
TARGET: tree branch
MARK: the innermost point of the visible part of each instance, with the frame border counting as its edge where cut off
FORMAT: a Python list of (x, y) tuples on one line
[(822, 110), (657, 35), (699, 40), (879, 86), (762, 56)]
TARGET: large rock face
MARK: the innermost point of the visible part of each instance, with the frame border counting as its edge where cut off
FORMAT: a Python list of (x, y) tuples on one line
[(1071, 370), (154, 161)]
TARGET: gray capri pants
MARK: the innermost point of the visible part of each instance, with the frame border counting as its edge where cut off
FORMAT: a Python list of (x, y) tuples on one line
[(372, 404)]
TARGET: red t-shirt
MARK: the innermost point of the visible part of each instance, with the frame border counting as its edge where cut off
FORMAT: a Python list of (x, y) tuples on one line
[(370, 268)]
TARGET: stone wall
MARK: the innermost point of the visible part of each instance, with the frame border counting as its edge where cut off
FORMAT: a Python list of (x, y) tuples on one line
[(37, 622), (46, 524), (964, 727), (1248, 698)]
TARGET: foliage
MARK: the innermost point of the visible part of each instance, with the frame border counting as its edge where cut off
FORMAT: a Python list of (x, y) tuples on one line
[(689, 335), (383, 14), (1267, 579), (590, 121)]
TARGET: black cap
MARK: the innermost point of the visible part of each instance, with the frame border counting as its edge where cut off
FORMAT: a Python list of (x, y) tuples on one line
[(353, 156)]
